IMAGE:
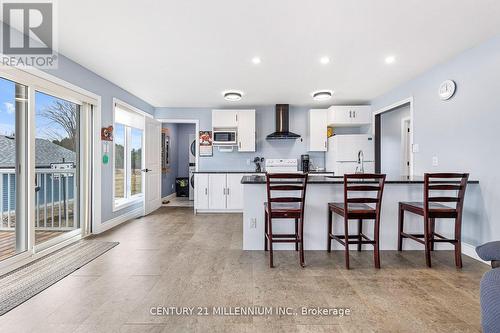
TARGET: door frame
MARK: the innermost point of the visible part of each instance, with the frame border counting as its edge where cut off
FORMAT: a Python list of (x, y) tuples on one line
[(376, 131), (36, 78)]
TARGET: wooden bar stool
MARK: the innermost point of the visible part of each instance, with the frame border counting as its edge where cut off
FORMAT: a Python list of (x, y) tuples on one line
[(432, 208), (357, 208), (285, 207)]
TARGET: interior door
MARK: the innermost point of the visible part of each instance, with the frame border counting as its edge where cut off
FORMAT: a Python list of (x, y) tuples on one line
[(152, 165)]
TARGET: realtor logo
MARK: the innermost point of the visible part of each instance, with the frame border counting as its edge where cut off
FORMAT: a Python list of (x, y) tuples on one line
[(28, 34)]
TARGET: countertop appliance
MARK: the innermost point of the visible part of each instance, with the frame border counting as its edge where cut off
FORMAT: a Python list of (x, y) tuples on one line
[(304, 162), (224, 137), (282, 127), (277, 165), (352, 153)]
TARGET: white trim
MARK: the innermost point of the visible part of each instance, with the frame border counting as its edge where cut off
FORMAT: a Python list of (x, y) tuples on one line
[(56, 240), (127, 202), (119, 220), (388, 108), (130, 107), (470, 251), (197, 131), (169, 197)]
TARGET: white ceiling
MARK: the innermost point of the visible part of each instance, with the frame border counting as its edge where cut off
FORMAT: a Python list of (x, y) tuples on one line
[(184, 53)]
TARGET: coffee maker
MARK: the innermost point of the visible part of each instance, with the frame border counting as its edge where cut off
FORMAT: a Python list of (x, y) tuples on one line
[(304, 162)]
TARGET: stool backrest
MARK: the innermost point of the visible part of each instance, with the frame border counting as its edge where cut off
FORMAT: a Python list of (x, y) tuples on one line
[(452, 184), (289, 183), (364, 182)]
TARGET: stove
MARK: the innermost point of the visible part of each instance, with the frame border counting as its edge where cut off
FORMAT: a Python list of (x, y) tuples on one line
[(277, 165)]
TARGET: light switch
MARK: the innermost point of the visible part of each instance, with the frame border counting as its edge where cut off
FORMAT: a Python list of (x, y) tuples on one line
[(253, 223), (414, 148), (435, 161)]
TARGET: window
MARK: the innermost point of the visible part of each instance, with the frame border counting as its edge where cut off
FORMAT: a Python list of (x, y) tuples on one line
[(128, 159)]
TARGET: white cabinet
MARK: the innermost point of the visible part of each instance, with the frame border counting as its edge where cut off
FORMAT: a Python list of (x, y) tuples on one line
[(217, 191), (243, 121), (318, 124), (345, 115), (246, 130), (201, 191), (224, 118)]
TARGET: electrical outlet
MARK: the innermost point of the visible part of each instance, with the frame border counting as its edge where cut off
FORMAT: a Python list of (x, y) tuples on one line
[(253, 223), (248, 161), (435, 161)]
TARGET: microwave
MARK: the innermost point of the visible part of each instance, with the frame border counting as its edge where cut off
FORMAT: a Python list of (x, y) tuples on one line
[(224, 137)]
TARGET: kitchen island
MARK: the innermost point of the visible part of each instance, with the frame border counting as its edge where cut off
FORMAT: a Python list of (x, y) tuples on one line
[(321, 190)]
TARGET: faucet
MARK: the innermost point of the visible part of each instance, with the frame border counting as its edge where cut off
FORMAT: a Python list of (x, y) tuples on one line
[(361, 162)]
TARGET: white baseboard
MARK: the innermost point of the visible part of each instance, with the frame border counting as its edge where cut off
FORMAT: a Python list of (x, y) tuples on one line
[(470, 251), (119, 219), (169, 197)]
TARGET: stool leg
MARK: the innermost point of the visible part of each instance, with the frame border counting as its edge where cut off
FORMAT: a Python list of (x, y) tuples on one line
[(458, 244), (270, 230), (301, 235), (296, 234), (360, 230), (400, 227), (265, 231), (432, 223), (346, 240), (329, 245), (427, 242)]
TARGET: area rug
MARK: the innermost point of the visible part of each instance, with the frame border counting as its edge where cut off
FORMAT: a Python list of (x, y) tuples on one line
[(25, 282)]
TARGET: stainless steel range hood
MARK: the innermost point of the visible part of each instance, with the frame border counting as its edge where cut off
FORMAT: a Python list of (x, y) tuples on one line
[(282, 128)]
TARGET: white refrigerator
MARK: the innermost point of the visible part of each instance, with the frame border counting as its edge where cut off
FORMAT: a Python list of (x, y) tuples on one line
[(345, 152)]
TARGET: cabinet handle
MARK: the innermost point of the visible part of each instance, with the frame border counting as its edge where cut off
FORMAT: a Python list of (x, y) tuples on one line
[(354, 114), (239, 144), (325, 144), (350, 114), (224, 191), (227, 191), (236, 117), (206, 191)]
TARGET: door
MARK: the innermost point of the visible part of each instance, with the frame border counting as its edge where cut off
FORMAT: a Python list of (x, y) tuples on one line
[(317, 130), (405, 147), (224, 118), (234, 191), (201, 191), (217, 191), (152, 165), (246, 130)]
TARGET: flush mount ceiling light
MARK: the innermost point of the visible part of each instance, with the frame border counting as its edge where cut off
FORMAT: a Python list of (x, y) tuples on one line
[(232, 95), (322, 95), (256, 60), (324, 60), (390, 59)]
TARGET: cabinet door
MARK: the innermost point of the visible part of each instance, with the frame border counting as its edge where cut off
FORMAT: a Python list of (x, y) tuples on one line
[(361, 115), (224, 118), (217, 191), (201, 191), (234, 191), (318, 130), (246, 130), (339, 116)]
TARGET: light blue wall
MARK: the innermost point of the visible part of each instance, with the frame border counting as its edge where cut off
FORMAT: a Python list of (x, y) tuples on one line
[(461, 132), (183, 152), (80, 76), (265, 124), (168, 179)]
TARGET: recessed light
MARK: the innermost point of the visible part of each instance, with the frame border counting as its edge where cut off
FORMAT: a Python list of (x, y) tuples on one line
[(324, 60), (390, 59), (232, 95), (256, 60), (322, 95)]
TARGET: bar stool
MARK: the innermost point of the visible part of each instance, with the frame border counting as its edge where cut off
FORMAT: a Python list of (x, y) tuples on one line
[(358, 208), (432, 208), (285, 207)]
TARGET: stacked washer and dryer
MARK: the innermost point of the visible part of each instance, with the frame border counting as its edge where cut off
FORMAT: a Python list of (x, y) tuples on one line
[(192, 164)]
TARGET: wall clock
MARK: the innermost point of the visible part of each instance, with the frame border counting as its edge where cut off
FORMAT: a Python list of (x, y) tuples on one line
[(447, 89)]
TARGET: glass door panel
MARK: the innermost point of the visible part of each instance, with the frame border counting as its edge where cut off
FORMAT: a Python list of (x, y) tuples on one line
[(13, 225), (57, 156)]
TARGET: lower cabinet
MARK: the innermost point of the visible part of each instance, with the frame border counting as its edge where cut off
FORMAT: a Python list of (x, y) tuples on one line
[(218, 192)]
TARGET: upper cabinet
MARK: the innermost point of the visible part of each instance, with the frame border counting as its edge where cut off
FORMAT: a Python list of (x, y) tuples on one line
[(224, 118), (241, 120), (318, 123), (344, 115)]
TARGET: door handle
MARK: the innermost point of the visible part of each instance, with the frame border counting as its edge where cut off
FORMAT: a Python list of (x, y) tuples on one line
[(146, 170)]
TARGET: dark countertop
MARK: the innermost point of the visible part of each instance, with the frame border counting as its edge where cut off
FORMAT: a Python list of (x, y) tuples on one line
[(250, 171), (339, 180)]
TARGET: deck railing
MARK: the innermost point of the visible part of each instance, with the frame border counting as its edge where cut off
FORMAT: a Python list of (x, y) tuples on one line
[(54, 199)]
